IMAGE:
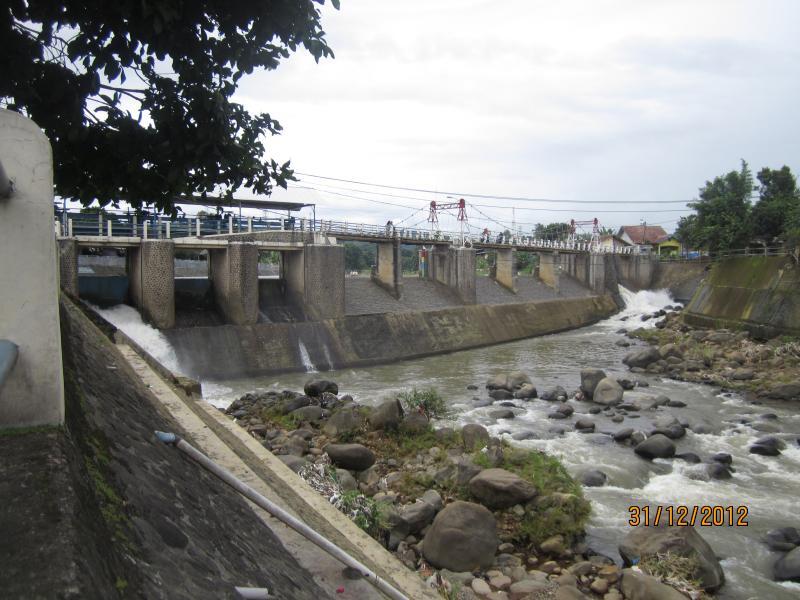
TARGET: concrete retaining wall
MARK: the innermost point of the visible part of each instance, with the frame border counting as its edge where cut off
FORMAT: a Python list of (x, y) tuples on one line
[(34, 391), (758, 294), (231, 351)]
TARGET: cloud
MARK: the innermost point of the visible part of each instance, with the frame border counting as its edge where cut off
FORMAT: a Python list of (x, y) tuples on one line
[(604, 100)]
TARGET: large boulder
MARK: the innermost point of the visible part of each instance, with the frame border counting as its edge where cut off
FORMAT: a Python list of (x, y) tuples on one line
[(517, 379), (474, 436), (589, 380), (669, 426), (417, 515), (783, 539), (656, 446), (787, 568), (353, 457), (785, 391), (316, 387), (386, 416), (415, 423), (463, 537), (292, 403), (498, 488), (607, 392), (639, 586), (643, 542), (642, 358), (346, 420), (498, 382)]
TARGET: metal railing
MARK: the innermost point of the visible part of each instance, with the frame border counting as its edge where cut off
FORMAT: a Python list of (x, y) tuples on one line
[(108, 223)]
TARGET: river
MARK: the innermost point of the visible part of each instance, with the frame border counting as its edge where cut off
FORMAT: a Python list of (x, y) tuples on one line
[(767, 486)]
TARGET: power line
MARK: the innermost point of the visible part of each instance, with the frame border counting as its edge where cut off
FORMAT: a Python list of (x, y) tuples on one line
[(565, 210), (490, 196)]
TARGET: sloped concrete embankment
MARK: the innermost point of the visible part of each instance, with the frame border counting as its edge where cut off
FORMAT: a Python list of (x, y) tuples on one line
[(360, 340), (157, 525), (759, 294), (167, 528)]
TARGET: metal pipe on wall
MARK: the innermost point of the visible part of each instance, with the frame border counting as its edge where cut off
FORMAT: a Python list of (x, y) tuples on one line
[(278, 512)]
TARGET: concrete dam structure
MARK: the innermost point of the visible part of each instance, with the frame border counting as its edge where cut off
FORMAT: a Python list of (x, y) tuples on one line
[(313, 313)]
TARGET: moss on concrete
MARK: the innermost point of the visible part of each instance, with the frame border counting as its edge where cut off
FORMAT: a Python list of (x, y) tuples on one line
[(754, 293)]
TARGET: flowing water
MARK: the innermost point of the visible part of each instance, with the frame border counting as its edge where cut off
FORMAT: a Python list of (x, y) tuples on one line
[(767, 486)]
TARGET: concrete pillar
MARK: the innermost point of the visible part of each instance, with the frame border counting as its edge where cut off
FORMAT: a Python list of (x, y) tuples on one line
[(234, 277), (68, 253), (389, 271), (151, 280), (33, 393), (549, 268), (314, 278), (505, 271), (455, 268)]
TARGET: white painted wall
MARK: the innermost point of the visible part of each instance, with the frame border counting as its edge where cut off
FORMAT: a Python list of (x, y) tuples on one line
[(34, 393)]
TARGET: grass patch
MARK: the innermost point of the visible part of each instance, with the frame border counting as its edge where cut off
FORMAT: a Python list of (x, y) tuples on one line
[(403, 444), (363, 511), (279, 419), (560, 507), (427, 401)]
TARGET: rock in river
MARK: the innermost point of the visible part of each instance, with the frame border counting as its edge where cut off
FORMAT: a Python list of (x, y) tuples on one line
[(787, 568), (607, 392), (642, 358), (353, 457), (316, 387), (463, 537), (589, 380), (656, 446), (498, 488)]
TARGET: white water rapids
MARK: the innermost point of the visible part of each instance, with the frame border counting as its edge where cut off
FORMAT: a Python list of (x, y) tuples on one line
[(768, 486)]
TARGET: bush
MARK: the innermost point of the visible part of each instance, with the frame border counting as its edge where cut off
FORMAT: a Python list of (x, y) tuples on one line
[(427, 401)]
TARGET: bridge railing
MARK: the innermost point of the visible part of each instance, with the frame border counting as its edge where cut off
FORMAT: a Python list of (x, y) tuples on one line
[(118, 223)]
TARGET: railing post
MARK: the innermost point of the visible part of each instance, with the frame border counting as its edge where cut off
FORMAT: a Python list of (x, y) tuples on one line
[(108, 227), (135, 223), (249, 224), (100, 222), (168, 229), (69, 227), (230, 223), (144, 229), (198, 226)]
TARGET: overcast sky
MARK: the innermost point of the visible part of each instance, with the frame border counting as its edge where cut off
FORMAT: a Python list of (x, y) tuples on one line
[(601, 100)]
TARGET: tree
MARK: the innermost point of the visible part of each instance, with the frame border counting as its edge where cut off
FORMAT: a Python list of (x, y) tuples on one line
[(359, 256), (778, 200), (135, 95), (723, 211), (687, 232), (552, 231)]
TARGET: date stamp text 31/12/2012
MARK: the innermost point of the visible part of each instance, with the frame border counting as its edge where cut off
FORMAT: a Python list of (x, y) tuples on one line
[(688, 516)]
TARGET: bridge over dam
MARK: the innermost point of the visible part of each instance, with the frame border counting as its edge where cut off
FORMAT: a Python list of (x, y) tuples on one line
[(258, 316), (311, 274)]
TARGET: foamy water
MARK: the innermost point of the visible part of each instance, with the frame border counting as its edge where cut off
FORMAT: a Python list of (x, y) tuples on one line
[(128, 319)]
